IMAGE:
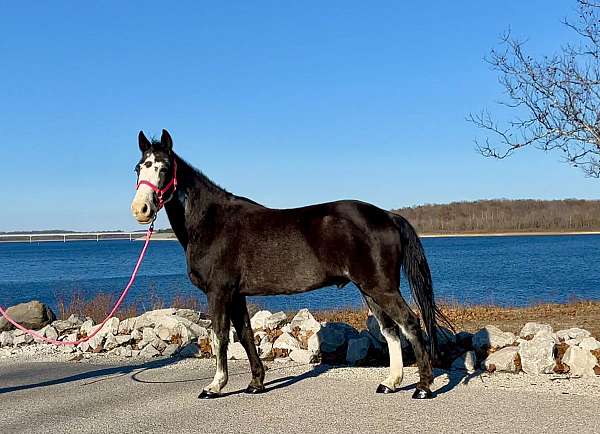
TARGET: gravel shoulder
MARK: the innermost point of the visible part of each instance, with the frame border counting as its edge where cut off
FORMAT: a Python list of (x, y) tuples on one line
[(103, 394)]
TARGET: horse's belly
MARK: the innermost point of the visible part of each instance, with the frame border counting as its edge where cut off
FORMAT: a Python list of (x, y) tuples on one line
[(283, 275)]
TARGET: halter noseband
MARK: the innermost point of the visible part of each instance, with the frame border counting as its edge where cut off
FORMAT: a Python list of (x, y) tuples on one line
[(160, 192)]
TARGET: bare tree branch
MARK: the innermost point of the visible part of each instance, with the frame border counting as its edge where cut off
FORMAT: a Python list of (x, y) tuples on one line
[(556, 99)]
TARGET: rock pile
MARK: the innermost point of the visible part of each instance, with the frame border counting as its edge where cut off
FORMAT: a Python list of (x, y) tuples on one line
[(536, 350), (187, 333)]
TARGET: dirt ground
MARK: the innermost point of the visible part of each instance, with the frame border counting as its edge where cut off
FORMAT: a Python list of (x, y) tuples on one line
[(584, 314)]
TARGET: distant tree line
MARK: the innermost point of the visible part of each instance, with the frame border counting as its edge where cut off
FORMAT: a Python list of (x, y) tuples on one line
[(497, 216)]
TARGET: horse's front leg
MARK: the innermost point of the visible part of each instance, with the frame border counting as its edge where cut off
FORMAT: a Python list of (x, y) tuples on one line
[(241, 322), (218, 306)]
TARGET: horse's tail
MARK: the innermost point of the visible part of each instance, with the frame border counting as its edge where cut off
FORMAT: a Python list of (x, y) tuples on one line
[(416, 270)]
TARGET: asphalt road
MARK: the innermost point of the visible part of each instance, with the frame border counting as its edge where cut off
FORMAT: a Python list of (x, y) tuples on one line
[(162, 397)]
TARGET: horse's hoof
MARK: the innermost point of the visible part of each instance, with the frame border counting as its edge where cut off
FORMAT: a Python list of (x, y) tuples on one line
[(253, 390), (422, 394), (382, 388), (207, 394)]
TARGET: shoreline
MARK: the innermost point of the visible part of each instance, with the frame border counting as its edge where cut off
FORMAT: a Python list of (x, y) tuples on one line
[(451, 235), (172, 237), (507, 234)]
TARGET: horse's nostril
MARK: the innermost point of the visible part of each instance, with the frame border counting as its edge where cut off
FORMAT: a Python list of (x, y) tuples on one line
[(144, 209)]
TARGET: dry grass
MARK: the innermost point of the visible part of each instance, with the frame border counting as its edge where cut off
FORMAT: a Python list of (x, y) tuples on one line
[(584, 314), (357, 318), (101, 304)]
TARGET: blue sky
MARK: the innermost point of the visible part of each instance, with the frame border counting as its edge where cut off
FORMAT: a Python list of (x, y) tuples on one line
[(288, 103)]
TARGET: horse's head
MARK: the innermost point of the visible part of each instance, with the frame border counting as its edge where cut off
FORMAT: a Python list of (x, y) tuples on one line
[(157, 178)]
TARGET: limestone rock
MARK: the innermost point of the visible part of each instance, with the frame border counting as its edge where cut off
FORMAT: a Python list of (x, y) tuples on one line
[(235, 351), (150, 318), (530, 329), (375, 343), (6, 339), (466, 362), (504, 360), (76, 320), (286, 342), (260, 337), (259, 319), (189, 314), (589, 344), (22, 339), (573, 333), (265, 350), (537, 355), (71, 337), (86, 327), (96, 342), (125, 327), (302, 356), (374, 329), (275, 320), (314, 343), (32, 315), (123, 339), (191, 350), (333, 335), (159, 345), (110, 342), (148, 337), (305, 321), (491, 337), (136, 335), (111, 326), (357, 351), (580, 361), (148, 352), (50, 332), (170, 350), (576, 341), (62, 326), (84, 346)]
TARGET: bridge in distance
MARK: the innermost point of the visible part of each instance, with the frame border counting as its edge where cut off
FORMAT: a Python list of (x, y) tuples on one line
[(70, 236)]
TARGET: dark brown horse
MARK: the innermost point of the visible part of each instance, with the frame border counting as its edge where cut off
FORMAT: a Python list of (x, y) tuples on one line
[(236, 247)]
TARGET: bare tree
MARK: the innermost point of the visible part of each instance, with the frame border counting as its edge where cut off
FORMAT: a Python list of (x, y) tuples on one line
[(555, 99)]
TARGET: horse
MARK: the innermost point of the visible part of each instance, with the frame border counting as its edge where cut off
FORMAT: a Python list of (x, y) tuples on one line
[(235, 248)]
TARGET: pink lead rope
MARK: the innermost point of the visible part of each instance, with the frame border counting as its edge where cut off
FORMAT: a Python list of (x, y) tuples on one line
[(160, 192), (110, 315)]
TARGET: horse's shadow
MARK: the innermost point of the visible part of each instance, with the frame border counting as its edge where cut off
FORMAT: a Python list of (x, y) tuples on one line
[(277, 383), (96, 375), (136, 371), (455, 378)]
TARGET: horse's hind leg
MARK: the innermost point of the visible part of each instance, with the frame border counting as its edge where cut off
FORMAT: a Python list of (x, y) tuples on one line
[(241, 322), (392, 303), (389, 330)]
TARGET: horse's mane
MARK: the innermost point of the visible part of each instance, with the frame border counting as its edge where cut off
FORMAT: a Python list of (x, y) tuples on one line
[(205, 180)]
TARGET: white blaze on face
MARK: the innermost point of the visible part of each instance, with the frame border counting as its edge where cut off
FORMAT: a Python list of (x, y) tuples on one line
[(143, 207)]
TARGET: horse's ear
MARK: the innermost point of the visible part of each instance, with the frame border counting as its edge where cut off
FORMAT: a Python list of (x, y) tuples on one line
[(143, 142), (166, 141)]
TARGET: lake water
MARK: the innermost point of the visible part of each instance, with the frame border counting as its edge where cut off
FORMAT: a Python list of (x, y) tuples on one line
[(509, 270)]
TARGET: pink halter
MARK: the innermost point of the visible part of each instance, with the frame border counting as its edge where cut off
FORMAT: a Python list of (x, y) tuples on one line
[(160, 192)]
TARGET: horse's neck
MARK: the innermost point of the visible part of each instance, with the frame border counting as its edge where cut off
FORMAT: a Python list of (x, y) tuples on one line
[(194, 196)]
